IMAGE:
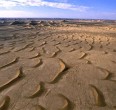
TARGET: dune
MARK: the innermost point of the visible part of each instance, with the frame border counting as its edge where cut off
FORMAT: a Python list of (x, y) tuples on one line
[(62, 65)]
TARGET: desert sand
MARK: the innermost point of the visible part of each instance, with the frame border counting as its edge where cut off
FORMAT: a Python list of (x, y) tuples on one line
[(58, 65)]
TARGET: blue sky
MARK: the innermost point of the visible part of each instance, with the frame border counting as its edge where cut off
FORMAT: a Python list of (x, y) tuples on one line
[(88, 9)]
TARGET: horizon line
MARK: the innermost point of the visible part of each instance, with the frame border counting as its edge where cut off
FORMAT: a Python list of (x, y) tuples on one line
[(55, 18)]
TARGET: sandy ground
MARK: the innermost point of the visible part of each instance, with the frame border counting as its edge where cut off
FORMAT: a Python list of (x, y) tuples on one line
[(65, 67)]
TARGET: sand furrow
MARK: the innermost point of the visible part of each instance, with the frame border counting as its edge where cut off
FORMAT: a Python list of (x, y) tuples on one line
[(15, 78), (98, 96)]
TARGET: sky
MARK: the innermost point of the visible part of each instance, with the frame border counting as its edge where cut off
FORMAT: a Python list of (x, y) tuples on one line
[(83, 9)]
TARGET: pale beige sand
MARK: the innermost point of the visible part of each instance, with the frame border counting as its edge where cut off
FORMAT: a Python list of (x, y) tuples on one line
[(65, 67)]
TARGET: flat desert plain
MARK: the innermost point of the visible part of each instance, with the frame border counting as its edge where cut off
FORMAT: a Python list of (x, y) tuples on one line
[(58, 65)]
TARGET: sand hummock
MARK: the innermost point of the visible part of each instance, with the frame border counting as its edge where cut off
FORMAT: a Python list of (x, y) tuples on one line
[(58, 65)]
